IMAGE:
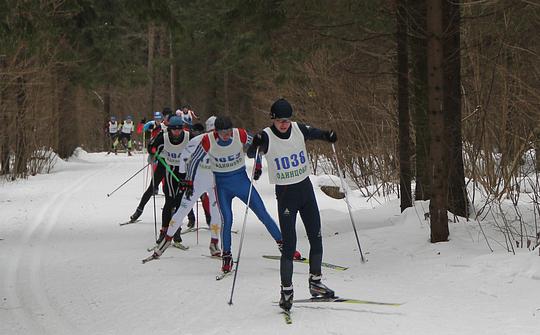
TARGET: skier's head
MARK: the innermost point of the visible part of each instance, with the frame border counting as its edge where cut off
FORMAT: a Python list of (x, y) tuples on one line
[(197, 129), (281, 112), (174, 128), (223, 126), (158, 116), (166, 112), (185, 108), (113, 118), (210, 123), (128, 118), (281, 109)]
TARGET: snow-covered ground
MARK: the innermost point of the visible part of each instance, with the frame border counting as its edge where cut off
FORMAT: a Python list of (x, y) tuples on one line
[(67, 267)]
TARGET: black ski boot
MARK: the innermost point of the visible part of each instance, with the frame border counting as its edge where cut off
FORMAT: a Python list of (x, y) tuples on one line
[(162, 246), (285, 302), (178, 236), (136, 215), (227, 262), (318, 289), (191, 219), (162, 234)]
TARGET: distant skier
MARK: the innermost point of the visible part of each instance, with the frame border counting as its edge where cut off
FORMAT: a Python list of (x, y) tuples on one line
[(112, 132), (224, 146), (283, 145), (187, 115), (125, 133), (203, 182)]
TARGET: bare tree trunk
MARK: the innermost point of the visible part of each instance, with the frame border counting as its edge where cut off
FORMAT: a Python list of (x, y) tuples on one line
[(150, 65), (226, 108), (172, 72), (457, 201), (438, 203), (68, 136), (20, 168), (4, 122), (403, 107), (106, 114), (537, 145), (417, 29)]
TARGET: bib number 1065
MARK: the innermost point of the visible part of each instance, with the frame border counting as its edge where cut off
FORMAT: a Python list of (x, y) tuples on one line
[(294, 160)]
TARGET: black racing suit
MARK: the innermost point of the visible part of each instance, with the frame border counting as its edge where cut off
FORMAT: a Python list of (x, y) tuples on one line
[(293, 199)]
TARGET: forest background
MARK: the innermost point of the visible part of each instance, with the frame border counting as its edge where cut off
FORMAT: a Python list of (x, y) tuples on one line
[(431, 100)]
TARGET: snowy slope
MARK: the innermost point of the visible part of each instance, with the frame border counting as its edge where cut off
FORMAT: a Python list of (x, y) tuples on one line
[(67, 267)]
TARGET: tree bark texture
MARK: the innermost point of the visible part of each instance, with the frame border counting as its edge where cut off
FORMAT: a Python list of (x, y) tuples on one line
[(150, 65), (106, 114), (20, 167), (419, 100), (457, 200), (403, 107), (4, 122), (438, 146), (68, 137)]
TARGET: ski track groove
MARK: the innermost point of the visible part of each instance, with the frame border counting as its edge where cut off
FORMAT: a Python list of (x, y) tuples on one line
[(42, 317)]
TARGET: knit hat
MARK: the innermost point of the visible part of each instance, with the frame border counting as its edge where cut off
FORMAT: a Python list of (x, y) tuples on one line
[(281, 109)]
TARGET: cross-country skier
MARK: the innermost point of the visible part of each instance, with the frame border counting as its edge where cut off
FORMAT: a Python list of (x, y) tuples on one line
[(224, 146), (156, 126), (125, 133), (203, 182), (187, 115), (169, 146), (112, 132), (283, 145)]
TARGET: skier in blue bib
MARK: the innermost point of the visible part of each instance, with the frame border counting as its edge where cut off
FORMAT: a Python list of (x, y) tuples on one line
[(225, 147), (284, 147)]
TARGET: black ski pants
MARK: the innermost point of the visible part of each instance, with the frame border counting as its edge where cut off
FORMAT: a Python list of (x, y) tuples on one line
[(294, 199)]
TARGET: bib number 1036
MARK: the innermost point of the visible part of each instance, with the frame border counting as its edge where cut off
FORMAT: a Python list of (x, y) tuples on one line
[(286, 162)]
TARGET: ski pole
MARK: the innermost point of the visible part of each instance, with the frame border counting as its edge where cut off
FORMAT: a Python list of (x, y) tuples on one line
[(154, 198), (197, 220), (166, 166), (348, 204), (136, 173), (243, 226)]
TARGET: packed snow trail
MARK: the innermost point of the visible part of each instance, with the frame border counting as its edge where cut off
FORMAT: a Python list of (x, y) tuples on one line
[(67, 267)]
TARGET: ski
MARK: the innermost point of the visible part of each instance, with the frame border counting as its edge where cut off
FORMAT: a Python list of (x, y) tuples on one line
[(287, 316), (223, 275), (150, 258), (345, 300), (128, 222), (180, 246), (306, 261), (192, 229)]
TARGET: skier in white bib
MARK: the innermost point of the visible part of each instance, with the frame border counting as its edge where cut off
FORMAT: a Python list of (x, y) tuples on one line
[(283, 145), (203, 182)]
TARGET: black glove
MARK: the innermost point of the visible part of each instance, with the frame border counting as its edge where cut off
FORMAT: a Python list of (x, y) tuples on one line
[(258, 172), (331, 136), (187, 187), (257, 140)]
